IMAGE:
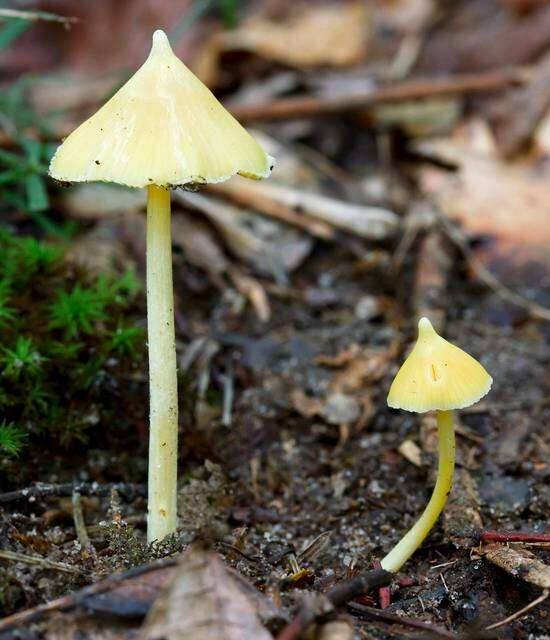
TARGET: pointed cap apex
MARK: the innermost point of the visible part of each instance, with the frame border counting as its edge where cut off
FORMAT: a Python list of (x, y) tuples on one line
[(161, 44), (425, 328)]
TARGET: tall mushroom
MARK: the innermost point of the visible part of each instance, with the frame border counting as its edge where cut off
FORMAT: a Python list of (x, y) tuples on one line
[(437, 376), (163, 129)]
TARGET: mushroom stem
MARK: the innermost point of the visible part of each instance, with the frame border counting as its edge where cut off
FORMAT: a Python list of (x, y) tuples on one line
[(163, 435), (410, 542)]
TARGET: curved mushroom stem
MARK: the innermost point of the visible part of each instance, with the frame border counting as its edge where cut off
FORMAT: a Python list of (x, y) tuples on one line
[(163, 435), (410, 542)]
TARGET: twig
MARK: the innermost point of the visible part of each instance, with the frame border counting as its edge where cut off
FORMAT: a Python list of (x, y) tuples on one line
[(519, 563), (228, 393), (535, 309), (337, 596), (79, 524), (33, 16), (13, 556), (305, 106), (520, 612), (245, 197), (392, 618), (75, 599), (514, 536), (84, 488)]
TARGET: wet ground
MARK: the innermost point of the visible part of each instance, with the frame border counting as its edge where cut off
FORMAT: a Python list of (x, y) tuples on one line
[(309, 448)]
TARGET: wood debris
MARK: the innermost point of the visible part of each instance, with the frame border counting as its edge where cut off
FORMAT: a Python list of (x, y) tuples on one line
[(519, 563)]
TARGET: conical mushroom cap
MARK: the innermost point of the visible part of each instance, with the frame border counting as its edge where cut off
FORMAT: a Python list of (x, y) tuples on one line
[(437, 375), (162, 127)]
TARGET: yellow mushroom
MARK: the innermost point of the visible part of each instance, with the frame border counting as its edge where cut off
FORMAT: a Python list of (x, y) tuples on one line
[(162, 129), (437, 376)]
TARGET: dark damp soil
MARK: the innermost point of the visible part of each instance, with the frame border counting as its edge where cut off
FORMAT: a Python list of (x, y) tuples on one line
[(311, 448)]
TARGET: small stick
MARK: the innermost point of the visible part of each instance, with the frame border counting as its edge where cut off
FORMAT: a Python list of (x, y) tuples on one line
[(84, 488), (514, 536), (79, 524), (245, 196), (33, 16), (520, 612), (13, 556), (73, 600), (337, 596), (305, 106), (404, 621), (228, 393)]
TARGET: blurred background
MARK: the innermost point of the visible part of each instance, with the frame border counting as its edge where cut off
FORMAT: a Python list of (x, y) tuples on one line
[(412, 140)]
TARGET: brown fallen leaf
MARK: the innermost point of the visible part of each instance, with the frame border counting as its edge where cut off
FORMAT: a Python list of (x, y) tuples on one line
[(504, 201), (368, 366), (519, 563), (487, 195), (203, 602), (411, 452), (315, 34)]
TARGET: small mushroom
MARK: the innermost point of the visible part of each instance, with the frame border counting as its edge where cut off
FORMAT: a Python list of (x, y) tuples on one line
[(162, 129), (437, 376)]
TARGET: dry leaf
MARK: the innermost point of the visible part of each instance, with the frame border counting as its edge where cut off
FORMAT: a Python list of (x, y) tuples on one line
[(314, 35), (504, 203), (203, 602), (508, 201), (368, 366), (519, 563), (411, 452)]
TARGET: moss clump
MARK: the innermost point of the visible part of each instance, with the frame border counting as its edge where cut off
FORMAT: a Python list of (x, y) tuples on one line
[(65, 341)]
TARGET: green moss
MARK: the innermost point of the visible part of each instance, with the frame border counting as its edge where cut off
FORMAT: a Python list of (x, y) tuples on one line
[(12, 438), (66, 341)]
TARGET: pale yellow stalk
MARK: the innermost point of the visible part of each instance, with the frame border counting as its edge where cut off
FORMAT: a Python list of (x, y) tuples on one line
[(410, 542), (163, 436)]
